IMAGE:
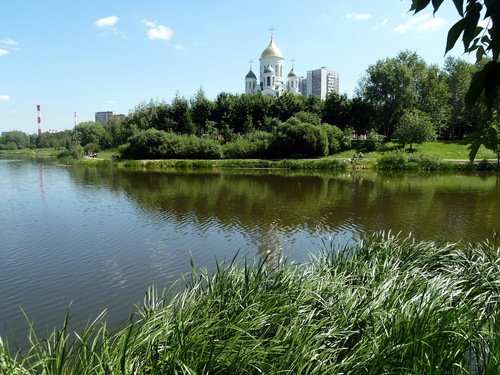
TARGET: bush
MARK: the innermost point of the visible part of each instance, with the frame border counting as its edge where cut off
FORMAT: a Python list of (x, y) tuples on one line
[(158, 144), (75, 152), (301, 140), (400, 160), (334, 136), (374, 141), (253, 145), (92, 147), (394, 160)]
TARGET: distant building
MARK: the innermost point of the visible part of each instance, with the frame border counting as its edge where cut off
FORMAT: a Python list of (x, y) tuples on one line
[(321, 82), (272, 81), (104, 117)]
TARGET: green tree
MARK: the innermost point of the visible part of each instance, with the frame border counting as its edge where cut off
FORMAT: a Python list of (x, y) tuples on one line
[(482, 40), (287, 105), (392, 86), (91, 132), (461, 121), (17, 138), (414, 126), (181, 116), (433, 97), (201, 111), (337, 110)]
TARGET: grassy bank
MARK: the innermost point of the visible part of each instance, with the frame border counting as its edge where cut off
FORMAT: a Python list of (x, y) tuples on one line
[(388, 305), (446, 150), (294, 164), (32, 153)]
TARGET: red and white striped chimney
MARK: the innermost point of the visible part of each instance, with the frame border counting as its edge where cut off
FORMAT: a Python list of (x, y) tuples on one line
[(39, 118)]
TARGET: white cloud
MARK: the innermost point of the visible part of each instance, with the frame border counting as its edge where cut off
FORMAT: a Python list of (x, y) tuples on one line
[(384, 22), (156, 31), (8, 42), (358, 16), (106, 21), (421, 23), (3, 52), (180, 47), (4, 98)]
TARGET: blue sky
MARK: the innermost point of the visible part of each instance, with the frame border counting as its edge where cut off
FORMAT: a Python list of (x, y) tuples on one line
[(98, 55)]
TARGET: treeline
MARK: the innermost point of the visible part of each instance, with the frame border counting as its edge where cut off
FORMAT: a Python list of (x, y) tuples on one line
[(393, 98)]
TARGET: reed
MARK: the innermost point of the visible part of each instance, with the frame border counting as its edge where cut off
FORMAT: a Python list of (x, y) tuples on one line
[(388, 305)]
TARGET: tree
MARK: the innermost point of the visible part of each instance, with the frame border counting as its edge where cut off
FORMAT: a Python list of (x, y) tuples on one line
[(484, 41), (392, 86), (91, 132), (15, 139), (337, 110), (461, 120), (201, 111), (414, 126)]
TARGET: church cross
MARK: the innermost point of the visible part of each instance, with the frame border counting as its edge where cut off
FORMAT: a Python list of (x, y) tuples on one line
[(271, 29), (250, 62)]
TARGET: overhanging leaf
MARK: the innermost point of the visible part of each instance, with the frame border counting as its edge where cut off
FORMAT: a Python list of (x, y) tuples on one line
[(471, 28), (491, 82), (454, 33), (474, 148), (418, 5), (475, 89), (436, 4), (459, 4)]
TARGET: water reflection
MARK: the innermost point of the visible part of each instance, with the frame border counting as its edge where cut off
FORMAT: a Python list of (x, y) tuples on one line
[(268, 207)]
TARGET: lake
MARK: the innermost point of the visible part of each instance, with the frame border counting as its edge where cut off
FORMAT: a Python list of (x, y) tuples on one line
[(96, 238)]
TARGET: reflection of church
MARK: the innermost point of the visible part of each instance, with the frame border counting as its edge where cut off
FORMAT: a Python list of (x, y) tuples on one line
[(271, 79)]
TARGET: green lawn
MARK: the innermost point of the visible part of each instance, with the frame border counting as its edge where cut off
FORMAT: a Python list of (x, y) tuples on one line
[(442, 149)]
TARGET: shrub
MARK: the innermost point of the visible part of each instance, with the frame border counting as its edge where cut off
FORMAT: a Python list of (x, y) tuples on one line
[(157, 144), (334, 136), (92, 147), (75, 152), (400, 160), (253, 145), (301, 140), (425, 161), (393, 160), (374, 141)]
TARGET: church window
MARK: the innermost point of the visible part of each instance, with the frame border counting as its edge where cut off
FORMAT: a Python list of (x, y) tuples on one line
[(269, 81)]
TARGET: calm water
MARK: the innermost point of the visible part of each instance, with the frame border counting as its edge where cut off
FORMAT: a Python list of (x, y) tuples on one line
[(96, 238)]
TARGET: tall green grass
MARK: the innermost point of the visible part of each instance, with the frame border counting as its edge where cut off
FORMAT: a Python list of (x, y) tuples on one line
[(389, 305)]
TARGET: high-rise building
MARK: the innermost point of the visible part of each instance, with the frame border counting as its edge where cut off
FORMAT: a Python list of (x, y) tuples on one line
[(104, 117), (321, 82)]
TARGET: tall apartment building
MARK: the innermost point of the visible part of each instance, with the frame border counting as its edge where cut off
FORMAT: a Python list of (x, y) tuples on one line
[(321, 82), (104, 117)]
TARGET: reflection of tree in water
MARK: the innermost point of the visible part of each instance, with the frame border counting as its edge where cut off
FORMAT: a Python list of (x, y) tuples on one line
[(265, 206)]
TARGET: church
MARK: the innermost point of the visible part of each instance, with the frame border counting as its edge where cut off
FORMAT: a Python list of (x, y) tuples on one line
[(272, 80)]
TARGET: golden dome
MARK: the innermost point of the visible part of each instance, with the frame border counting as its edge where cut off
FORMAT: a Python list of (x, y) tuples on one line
[(271, 51)]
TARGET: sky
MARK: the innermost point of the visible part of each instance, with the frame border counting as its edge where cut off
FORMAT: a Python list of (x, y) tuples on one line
[(111, 55)]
